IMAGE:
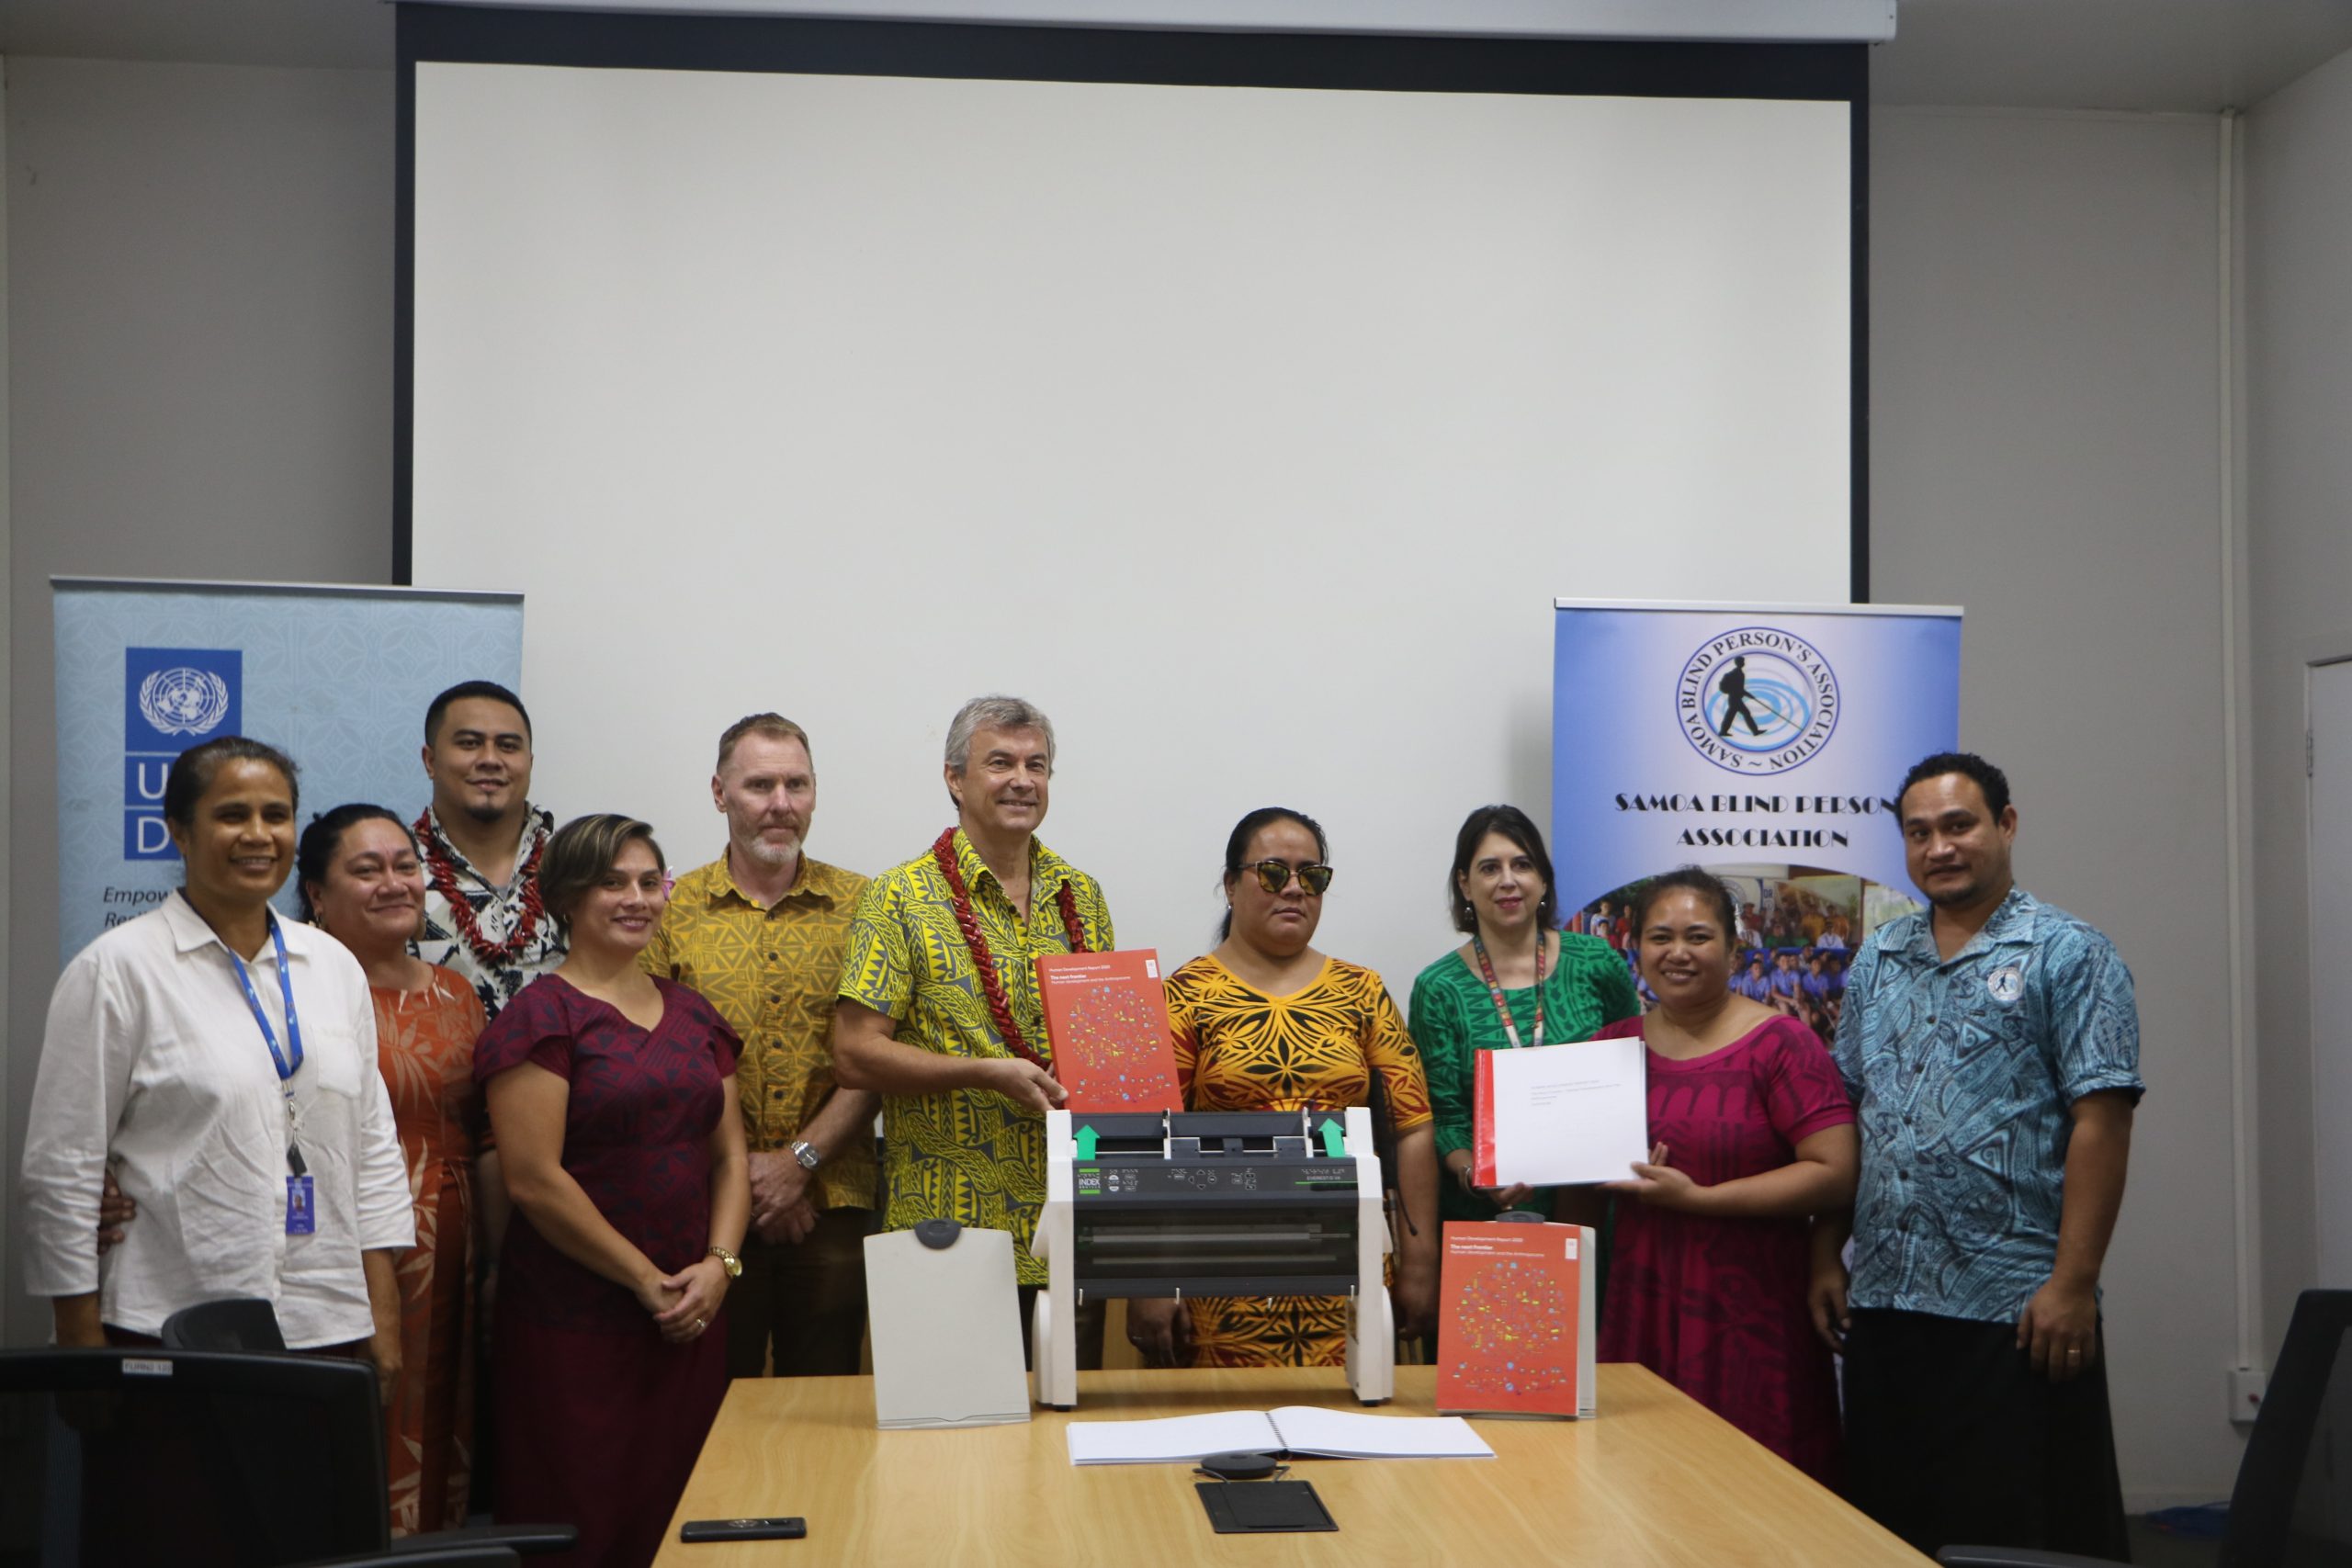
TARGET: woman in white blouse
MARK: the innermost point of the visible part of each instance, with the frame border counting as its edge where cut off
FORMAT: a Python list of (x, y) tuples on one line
[(221, 1064)]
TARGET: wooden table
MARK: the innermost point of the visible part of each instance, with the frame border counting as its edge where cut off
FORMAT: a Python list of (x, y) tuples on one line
[(1657, 1479)]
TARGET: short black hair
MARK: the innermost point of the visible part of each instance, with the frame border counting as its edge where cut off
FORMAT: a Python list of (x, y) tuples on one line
[(193, 768), (1521, 829), (1689, 879), (464, 689), (1968, 764), (320, 841)]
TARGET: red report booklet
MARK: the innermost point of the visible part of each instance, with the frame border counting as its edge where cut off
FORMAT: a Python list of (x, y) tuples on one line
[(1106, 1015), (1515, 1325)]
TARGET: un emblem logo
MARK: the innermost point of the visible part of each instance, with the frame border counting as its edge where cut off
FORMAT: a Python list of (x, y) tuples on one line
[(1757, 701), (183, 700)]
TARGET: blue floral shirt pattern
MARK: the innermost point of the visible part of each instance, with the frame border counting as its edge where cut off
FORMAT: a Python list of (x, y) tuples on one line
[(1962, 1072)]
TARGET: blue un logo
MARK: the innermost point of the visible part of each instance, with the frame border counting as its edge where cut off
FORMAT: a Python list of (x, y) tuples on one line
[(173, 698), (1756, 700)]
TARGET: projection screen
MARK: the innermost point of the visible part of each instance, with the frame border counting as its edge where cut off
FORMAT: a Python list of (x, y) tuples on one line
[(1243, 403)]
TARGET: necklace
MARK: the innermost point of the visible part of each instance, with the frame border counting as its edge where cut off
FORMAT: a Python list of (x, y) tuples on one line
[(441, 876), (999, 1008), (1494, 988)]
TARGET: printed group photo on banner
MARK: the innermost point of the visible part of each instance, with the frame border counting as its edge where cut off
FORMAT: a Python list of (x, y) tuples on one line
[(1799, 927)]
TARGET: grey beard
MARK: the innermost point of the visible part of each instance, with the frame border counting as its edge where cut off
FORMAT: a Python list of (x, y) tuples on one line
[(767, 854)]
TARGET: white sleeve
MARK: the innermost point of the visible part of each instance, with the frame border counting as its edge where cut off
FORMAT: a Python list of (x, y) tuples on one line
[(386, 1217), (86, 1060)]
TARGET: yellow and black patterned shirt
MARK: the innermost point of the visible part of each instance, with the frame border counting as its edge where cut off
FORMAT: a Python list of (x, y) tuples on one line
[(1239, 1049), (967, 1155), (772, 973)]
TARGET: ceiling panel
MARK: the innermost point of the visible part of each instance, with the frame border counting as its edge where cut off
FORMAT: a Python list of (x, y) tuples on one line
[(2185, 55)]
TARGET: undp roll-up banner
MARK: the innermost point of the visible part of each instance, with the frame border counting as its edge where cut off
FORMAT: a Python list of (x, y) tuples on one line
[(1763, 743), (337, 678)]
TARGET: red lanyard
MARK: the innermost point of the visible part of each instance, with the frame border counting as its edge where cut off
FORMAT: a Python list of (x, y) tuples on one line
[(992, 984), (1494, 990)]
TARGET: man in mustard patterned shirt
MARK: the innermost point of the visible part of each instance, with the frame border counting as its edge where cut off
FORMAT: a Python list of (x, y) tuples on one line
[(939, 1009), (761, 931)]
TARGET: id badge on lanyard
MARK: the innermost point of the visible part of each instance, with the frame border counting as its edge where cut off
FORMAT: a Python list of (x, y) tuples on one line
[(302, 1198)]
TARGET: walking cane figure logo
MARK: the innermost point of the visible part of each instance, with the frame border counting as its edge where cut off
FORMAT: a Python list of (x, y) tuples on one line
[(1756, 700)]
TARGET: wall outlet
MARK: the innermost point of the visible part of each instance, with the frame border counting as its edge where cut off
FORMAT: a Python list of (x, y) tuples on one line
[(2246, 1384)]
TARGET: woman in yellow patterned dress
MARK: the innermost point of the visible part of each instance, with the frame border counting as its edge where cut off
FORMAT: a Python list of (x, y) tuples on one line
[(1266, 1022)]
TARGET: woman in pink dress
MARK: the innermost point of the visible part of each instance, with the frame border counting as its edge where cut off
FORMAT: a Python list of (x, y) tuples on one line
[(363, 885), (1752, 1134)]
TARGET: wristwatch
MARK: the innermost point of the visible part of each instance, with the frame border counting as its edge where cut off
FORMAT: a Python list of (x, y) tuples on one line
[(806, 1153), (727, 1260)]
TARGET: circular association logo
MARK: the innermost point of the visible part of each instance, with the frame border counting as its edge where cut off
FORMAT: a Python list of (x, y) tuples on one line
[(2007, 984), (183, 700), (1756, 700)]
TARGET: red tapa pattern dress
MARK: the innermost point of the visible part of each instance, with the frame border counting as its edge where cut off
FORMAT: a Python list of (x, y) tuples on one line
[(1717, 1306), (597, 1418), (424, 1045)]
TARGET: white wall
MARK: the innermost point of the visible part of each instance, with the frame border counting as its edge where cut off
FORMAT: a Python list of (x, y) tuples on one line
[(199, 265), (200, 315), (2045, 450), (2298, 393)]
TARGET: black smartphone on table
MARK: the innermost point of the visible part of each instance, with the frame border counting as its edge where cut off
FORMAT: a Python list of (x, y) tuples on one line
[(694, 1532)]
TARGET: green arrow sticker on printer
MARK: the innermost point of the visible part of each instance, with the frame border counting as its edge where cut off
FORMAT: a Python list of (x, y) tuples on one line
[(1086, 1140), (1331, 1136)]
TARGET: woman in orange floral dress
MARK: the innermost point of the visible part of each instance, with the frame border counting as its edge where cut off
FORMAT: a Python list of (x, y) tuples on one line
[(363, 885)]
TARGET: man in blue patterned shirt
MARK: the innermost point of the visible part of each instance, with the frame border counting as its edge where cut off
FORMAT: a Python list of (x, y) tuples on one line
[(1992, 1048)]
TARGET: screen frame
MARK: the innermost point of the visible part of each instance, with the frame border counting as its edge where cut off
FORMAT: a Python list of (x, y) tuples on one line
[(1384, 62)]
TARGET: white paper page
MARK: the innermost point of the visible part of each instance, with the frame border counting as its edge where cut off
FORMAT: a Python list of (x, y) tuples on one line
[(1570, 1114), (1346, 1434), (1170, 1438)]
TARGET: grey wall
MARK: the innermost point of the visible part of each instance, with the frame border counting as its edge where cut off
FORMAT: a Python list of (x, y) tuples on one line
[(2045, 449), (199, 319), (2299, 395), (200, 308)]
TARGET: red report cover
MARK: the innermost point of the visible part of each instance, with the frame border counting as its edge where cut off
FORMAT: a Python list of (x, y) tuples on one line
[(1482, 1120), (1515, 1324), (1106, 1015)]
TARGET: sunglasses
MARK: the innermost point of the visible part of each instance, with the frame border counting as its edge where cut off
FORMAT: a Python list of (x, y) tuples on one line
[(1273, 875)]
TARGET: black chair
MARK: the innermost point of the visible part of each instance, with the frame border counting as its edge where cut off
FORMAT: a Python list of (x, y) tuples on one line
[(143, 1457), (2290, 1508), (238, 1324)]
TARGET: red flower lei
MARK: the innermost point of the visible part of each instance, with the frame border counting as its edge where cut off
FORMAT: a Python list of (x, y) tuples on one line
[(999, 1010), (441, 876)]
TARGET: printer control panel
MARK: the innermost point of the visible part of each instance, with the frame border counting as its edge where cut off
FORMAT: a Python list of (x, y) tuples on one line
[(1161, 1178)]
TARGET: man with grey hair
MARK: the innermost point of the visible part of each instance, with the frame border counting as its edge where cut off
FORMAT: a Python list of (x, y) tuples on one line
[(938, 1010)]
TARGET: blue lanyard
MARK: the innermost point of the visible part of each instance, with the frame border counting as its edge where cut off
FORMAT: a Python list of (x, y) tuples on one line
[(285, 1068)]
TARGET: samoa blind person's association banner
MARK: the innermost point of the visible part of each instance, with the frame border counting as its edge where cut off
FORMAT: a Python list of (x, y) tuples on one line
[(338, 678), (1727, 735)]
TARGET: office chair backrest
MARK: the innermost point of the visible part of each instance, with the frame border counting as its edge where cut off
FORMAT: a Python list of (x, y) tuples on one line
[(138, 1457), (238, 1324), (2293, 1501)]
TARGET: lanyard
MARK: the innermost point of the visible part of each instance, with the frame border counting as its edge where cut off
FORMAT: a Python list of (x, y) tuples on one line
[(288, 1061), (1494, 988)]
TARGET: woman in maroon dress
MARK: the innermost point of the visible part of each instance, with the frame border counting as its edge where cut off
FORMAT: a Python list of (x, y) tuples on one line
[(1752, 1134), (613, 1097)]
